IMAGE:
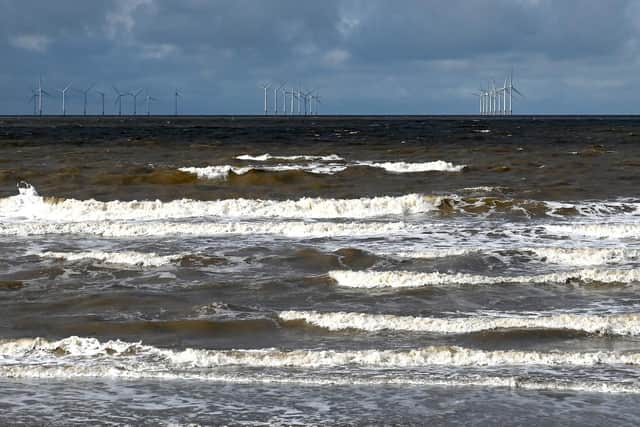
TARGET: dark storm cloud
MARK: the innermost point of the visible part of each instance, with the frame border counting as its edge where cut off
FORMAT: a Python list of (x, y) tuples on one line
[(368, 56)]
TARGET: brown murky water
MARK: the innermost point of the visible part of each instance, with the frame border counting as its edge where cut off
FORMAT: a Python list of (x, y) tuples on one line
[(319, 270)]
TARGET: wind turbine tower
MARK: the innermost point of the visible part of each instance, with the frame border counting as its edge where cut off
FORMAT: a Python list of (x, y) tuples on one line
[(265, 87), (101, 96), (134, 95), (84, 93), (284, 100), (176, 94), (64, 92), (275, 98), (119, 100), (149, 99)]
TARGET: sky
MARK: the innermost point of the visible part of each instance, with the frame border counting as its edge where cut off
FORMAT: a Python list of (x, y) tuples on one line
[(362, 56)]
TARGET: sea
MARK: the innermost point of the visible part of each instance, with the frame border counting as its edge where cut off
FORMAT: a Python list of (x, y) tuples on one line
[(320, 271)]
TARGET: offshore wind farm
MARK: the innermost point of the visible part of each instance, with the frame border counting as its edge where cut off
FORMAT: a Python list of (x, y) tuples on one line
[(319, 213)]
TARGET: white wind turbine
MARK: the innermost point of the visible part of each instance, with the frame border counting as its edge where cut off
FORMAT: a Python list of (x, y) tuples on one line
[(64, 92), (293, 97), (275, 98), (265, 87), (284, 100), (41, 93), (101, 96), (307, 101), (512, 89), (316, 100), (135, 95), (119, 99), (84, 94), (148, 99)]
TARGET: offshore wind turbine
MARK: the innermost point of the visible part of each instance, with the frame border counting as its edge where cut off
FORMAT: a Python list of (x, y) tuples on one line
[(41, 92), (293, 96), (176, 94), (265, 87), (284, 100), (149, 98), (84, 93), (307, 99), (512, 89), (134, 95), (102, 96), (64, 92), (275, 98), (119, 100)]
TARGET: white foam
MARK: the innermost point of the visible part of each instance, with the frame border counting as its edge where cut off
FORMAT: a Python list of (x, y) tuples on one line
[(407, 279), (142, 229), (125, 257), (610, 231), (223, 171), (130, 373), (265, 157), (28, 351), (216, 172), (434, 253), (404, 167), (619, 324), (29, 205), (587, 256), (76, 357)]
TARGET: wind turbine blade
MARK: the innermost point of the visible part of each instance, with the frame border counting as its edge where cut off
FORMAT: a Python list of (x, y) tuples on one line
[(116, 90), (517, 91)]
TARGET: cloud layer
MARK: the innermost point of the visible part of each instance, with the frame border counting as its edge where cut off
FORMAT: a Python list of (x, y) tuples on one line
[(366, 57)]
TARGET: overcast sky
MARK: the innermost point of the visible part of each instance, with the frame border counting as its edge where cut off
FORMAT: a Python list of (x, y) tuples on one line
[(365, 56)]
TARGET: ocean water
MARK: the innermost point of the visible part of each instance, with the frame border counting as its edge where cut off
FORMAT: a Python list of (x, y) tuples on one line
[(402, 270)]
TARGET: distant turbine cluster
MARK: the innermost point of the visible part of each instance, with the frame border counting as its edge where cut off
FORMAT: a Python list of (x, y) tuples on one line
[(39, 95), (295, 101), (498, 101)]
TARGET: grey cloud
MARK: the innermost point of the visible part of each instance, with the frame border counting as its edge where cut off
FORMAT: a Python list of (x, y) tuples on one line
[(368, 56)]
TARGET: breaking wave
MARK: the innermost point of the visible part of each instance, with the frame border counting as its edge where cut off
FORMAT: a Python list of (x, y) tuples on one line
[(76, 357), (28, 204), (575, 257), (143, 229), (26, 351), (404, 167), (587, 256), (608, 231), (223, 171), (123, 258), (618, 324), (406, 279), (266, 157)]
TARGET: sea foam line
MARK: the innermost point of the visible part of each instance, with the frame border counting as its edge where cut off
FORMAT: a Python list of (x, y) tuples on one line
[(266, 157), (577, 256), (295, 229), (405, 167), (77, 350), (28, 205), (223, 171), (619, 324), (131, 373), (608, 231), (407, 279), (150, 259)]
